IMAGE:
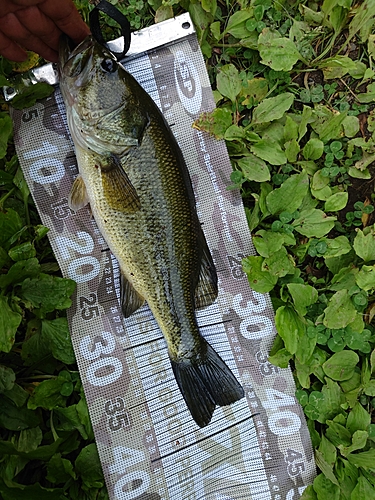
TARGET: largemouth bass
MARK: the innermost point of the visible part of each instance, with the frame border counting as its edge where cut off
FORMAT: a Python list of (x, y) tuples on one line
[(133, 174)]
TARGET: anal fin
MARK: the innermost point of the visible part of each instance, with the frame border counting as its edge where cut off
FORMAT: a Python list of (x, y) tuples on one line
[(130, 299), (206, 290), (117, 188)]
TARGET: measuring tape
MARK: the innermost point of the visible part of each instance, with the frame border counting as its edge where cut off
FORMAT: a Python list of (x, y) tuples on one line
[(149, 446)]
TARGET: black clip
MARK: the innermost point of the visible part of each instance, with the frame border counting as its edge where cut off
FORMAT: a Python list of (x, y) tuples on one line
[(117, 16)]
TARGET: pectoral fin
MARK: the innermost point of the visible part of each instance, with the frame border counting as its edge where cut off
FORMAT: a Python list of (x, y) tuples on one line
[(78, 195), (206, 291), (118, 190), (129, 297)]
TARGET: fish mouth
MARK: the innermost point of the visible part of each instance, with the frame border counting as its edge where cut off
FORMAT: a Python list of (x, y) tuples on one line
[(73, 59)]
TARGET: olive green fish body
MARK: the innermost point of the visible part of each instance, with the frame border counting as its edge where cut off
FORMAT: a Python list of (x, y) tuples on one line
[(157, 255), (133, 174)]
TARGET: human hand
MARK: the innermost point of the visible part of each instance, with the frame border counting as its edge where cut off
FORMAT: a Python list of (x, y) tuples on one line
[(37, 25)]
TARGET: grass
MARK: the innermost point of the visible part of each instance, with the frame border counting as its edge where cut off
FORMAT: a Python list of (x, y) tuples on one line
[(294, 87)]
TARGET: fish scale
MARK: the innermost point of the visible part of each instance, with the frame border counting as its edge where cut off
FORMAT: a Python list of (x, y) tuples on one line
[(133, 174)]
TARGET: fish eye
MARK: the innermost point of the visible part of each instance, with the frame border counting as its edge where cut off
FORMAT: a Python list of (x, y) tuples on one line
[(108, 65)]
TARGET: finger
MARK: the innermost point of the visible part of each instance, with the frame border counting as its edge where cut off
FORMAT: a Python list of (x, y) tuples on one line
[(10, 50), (14, 5), (15, 31), (41, 26), (67, 18)]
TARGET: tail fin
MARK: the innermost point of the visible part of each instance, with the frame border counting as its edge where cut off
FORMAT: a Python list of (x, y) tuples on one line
[(204, 382)]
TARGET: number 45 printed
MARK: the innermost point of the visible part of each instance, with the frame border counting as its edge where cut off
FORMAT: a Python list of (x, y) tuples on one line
[(295, 463)]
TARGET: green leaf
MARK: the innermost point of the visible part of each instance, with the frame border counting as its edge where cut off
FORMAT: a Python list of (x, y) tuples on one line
[(267, 242), (32, 492), (365, 278), (234, 133), (305, 348), (9, 323), (44, 452), (290, 327), (17, 395), (255, 90), (269, 151), (337, 433), (47, 395), (319, 181), (10, 224), (365, 459), (324, 488), (341, 365), (277, 52), (88, 467), (20, 181), (59, 470), (83, 414), (330, 406), (35, 349), (229, 82), (328, 450), (363, 490), (7, 378), (358, 419), (279, 264), (281, 358), (314, 223), (215, 30), (74, 417), (327, 123), (56, 334), (260, 280), (309, 494), (19, 271), (364, 245), (272, 108), (48, 292), (5, 133), (336, 202), (324, 466), (359, 442), (4, 82), (21, 252), (351, 126), (16, 418), (288, 197), (292, 150), (303, 296), (29, 439), (254, 169), (357, 339), (306, 118), (337, 246), (313, 149), (236, 24), (358, 174), (163, 13), (31, 94), (290, 129), (337, 66), (215, 123), (364, 14)]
